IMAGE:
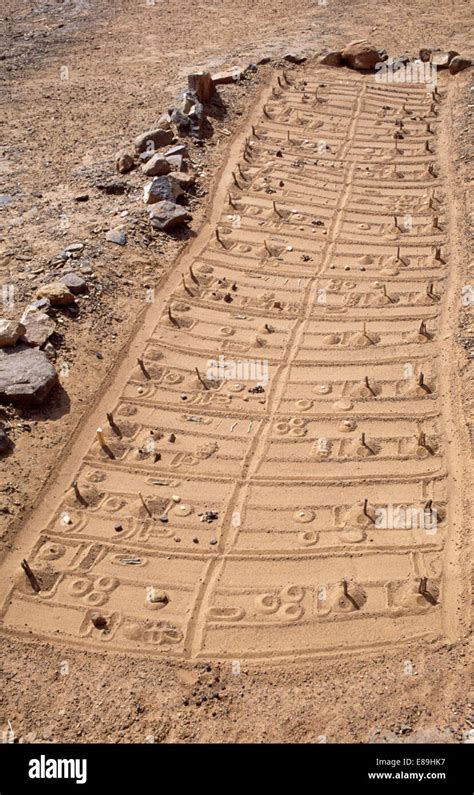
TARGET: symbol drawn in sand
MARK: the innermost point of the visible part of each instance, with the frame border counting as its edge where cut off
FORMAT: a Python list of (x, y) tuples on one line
[(304, 515), (102, 630), (294, 426), (51, 551), (207, 450), (226, 614), (346, 596), (183, 459), (126, 410), (308, 538), (161, 634), (417, 387), (420, 593), (367, 389)]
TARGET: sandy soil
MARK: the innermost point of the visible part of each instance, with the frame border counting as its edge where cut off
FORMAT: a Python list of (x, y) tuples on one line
[(292, 601)]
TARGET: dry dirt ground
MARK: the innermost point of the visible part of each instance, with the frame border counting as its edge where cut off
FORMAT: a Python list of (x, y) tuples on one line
[(81, 82)]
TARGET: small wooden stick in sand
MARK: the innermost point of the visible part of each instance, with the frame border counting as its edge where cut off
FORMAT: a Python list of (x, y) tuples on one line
[(33, 580), (142, 367), (275, 209), (218, 238), (235, 181), (185, 286), (241, 173), (200, 378), (193, 275), (254, 132), (423, 583), (144, 504), (172, 319), (366, 382)]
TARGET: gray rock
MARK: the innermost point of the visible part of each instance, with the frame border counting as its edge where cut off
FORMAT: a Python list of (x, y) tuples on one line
[(458, 64), (116, 236), (10, 332), (165, 215), (74, 282), (162, 189), (43, 304), (50, 351), (157, 166), (38, 326), (153, 139), (200, 126), (26, 376), (177, 162), (181, 121)]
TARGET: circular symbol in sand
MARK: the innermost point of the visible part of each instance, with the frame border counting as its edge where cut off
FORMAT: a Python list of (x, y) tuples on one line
[(281, 428), (244, 248), (95, 598), (292, 593), (180, 306), (79, 586), (173, 378), (349, 285), (297, 432), (343, 405), (304, 515), (324, 389), (267, 603), (291, 612), (205, 269), (237, 387), (308, 538), (106, 584), (226, 331), (51, 551), (96, 476), (304, 405), (113, 504), (347, 426), (184, 509), (332, 339), (296, 422), (352, 535)]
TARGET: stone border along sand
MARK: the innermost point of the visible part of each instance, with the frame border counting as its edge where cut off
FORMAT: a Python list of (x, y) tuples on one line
[(212, 519)]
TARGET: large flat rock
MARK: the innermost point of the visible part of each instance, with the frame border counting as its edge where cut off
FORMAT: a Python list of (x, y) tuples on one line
[(26, 376)]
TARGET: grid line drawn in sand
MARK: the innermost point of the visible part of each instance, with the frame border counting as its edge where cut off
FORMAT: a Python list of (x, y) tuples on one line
[(209, 518)]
